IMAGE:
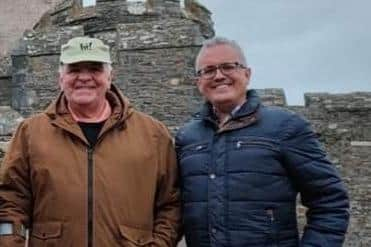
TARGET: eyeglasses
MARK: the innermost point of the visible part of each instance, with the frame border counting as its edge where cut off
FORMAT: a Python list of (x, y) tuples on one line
[(209, 72)]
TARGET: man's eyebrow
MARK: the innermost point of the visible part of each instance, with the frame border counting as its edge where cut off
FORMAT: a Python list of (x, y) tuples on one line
[(208, 67)]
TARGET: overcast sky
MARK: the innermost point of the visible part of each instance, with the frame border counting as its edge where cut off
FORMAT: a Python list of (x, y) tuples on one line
[(300, 46)]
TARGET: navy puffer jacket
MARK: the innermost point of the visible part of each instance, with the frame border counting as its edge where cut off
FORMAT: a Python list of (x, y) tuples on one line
[(240, 182)]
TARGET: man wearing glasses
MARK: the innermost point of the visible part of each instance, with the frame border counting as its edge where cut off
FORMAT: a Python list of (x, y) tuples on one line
[(242, 165)]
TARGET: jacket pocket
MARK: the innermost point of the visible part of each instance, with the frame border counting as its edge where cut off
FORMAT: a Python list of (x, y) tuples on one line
[(192, 149), (135, 236), (193, 159), (255, 142), (46, 234)]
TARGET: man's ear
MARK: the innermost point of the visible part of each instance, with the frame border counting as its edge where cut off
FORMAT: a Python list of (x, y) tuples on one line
[(112, 75), (248, 73), (197, 81), (248, 76), (60, 81)]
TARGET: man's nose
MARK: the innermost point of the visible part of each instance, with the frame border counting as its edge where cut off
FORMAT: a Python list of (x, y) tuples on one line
[(219, 75), (84, 75)]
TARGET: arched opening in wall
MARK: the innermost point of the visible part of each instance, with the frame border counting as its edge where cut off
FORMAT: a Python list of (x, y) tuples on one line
[(87, 3)]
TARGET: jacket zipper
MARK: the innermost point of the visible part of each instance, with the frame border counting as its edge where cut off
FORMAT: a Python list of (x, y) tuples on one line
[(90, 196), (91, 192), (241, 144)]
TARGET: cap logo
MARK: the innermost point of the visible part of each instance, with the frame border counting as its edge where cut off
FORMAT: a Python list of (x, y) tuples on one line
[(86, 46)]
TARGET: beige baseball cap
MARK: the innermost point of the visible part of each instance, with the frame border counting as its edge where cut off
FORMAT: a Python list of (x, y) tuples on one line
[(85, 49)]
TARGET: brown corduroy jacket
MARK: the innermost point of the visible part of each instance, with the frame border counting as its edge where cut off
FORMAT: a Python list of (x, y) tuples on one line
[(121, 192)]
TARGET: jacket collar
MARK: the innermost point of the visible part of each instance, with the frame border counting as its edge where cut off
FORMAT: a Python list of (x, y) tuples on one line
[(59, 114), (246, 115), (120, 105), (251, 105)]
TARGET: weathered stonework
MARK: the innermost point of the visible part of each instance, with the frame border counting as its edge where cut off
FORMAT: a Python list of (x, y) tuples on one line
[(9, 120), (5, 80), (343, 122), (153, 47)]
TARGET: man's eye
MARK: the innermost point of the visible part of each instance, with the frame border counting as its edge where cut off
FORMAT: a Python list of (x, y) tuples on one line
[(72, 70), (209, 70), (228, 67), (96, 69)]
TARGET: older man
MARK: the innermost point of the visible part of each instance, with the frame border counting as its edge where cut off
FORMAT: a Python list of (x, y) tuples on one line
[(243, 164), (90, 170)]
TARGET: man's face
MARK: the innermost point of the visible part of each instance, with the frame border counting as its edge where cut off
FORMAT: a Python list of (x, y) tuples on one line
[(85, 84), (223, 90)]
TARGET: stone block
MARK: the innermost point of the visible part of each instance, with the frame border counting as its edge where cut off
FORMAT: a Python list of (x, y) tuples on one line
[(158, 35), (5, 91), (36, 43)]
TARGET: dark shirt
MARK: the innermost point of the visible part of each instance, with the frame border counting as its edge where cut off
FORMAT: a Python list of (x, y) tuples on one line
[(91, 131)]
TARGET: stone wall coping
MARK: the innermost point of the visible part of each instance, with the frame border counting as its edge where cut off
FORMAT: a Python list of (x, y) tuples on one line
[(353, 101), (361, 143)]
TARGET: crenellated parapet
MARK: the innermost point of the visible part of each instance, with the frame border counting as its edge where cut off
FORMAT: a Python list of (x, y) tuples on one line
[(357, 101), (199, 13), (108, 13)]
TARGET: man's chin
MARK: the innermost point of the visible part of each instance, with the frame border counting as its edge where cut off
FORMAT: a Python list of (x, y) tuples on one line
[(221, 100), (83, 102)]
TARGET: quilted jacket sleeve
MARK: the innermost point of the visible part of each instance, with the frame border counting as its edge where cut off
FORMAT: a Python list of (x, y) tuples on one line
[(167, 220), (321, 188), (15, 192)]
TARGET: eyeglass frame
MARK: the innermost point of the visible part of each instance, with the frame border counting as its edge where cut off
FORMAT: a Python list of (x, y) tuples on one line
[(219, 67)]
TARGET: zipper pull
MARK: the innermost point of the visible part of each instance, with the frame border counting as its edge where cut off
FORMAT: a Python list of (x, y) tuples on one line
[(239, 144)]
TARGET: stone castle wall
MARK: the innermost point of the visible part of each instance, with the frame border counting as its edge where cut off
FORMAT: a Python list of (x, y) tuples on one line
[(154, 44), (343, 123)]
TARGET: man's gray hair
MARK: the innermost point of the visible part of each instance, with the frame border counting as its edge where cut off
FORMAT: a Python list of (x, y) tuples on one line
[(106, 66), (215, 41)]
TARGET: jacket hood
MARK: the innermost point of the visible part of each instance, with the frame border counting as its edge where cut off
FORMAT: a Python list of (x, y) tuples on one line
[(121, 107)]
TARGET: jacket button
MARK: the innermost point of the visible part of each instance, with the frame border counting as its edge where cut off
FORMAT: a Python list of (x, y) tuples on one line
[(212, 176)]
